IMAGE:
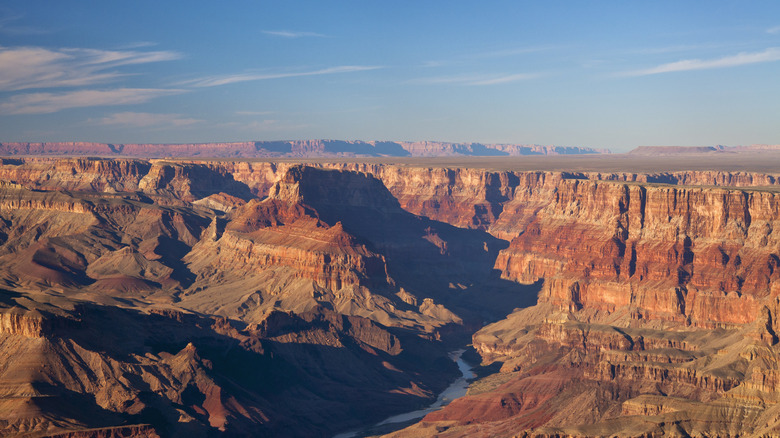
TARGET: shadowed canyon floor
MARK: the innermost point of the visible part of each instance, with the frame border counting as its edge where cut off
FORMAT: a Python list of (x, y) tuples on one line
[(605, 295)]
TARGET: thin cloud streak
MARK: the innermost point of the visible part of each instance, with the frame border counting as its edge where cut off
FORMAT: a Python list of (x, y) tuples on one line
[(515, 51), (19, 30), (137, 45), (771, 54), (672, 49), (142, 120), (503, 53), (254, 113), (45, 103), (37, 67), (505, 79), (23, 30), (215, 81), (478, 80), (773, 30), (292, 34), (268, 125)]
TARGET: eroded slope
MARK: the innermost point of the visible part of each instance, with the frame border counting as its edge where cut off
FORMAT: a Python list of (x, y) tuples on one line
[(657, 313)]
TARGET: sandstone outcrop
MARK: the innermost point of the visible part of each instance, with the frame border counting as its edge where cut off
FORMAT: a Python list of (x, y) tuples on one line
[(340, 237), (657, 301), (117, 367), (256, 297), (75, 174), (561, 376), (705, 257), (305, 339)]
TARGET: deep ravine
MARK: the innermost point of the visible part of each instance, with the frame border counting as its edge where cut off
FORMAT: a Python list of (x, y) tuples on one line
[(457, 389)]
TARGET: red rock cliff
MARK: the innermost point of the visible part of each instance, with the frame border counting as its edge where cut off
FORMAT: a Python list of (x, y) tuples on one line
[(704, 256), (602, 241)]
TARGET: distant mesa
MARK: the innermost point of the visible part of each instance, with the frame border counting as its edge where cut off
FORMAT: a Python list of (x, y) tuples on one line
[(289, 148), (680, 150)]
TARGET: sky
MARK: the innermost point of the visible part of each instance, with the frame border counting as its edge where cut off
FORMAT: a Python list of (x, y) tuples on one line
[(605, 74)]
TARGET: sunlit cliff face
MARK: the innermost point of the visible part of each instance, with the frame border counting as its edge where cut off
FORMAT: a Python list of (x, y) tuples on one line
[(255, 297)]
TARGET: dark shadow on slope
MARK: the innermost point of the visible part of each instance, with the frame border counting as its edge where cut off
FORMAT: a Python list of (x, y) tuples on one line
[(200, 179), (7, 298), (275, 147), (430, 259), (72, 407), (321, 373), (481, 150), (52, 261), (360, 149), (207, 181), (390, 149), (172, 252), (341, 147)]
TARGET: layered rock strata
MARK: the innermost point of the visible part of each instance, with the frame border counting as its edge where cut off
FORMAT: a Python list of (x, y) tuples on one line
[(657, 312), (703, 257)]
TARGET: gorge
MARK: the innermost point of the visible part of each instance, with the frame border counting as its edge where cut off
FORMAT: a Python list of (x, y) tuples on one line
[(173, 297)]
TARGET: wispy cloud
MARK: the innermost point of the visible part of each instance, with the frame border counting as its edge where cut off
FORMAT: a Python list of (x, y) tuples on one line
[(142, 120), (293, 34), (37, 67), (476, 80), (214, 81), (502, 53), (471, 57), (672, 49), (43, 103), (433, 64), (505, 79), (268, 125), (773, 30), (137, 45), (253, 113), (769, 55), (8, 27)]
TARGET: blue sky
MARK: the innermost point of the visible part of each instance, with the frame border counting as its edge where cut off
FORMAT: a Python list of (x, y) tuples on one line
[(613, 74)]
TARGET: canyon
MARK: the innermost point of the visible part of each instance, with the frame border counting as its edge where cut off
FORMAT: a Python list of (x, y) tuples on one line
[(602, 295)]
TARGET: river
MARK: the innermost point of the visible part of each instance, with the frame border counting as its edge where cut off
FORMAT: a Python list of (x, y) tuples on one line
[(457, 389)]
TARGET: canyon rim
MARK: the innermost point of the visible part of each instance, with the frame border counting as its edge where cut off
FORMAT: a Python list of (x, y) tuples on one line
[(602, 295)]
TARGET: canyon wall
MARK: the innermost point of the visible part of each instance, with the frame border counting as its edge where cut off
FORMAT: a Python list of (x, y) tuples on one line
[(702, 251), (659, 295), (705, 257)]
